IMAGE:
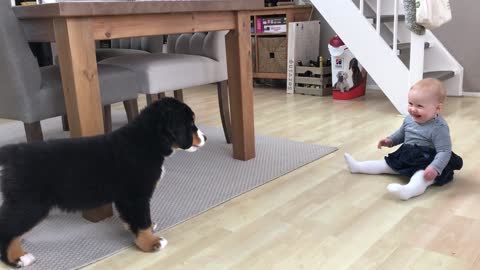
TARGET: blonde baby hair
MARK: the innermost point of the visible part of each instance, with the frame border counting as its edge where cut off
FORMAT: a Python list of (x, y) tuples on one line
[(434, 85)]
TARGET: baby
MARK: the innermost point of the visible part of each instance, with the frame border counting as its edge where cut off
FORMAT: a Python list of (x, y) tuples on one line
[(426, 152)]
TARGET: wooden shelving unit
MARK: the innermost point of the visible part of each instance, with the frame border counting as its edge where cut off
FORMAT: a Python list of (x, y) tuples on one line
[(293, 13)]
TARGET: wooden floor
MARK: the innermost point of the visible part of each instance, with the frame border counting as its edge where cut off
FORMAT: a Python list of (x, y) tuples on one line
[(321, 216)]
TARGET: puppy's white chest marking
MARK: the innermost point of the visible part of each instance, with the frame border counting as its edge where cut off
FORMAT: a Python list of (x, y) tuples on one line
[(173, 152), (162, 174)]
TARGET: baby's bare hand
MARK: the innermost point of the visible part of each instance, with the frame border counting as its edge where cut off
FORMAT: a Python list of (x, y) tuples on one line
[(430, 173), (384, 142)]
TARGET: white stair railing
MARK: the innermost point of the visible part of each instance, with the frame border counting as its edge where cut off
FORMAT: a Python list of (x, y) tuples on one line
[(379, 16), (395, 25), (417, 58), (371, 50), (435, 58), (417, 54), (379, 58)]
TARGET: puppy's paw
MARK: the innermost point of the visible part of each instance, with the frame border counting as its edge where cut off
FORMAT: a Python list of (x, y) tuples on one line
[(148, 242), (25, 260), (162, 243)]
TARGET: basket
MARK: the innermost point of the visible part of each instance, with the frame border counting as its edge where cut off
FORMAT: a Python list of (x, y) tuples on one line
[(272, 54)]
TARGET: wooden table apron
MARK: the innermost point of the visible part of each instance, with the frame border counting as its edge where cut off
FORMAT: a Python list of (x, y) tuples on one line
[(74, 27)]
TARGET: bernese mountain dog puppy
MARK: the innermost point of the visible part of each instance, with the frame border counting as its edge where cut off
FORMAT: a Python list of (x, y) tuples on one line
[(76, 174)]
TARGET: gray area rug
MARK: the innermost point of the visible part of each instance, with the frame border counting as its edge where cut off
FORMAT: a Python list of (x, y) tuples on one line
[(193, 183)]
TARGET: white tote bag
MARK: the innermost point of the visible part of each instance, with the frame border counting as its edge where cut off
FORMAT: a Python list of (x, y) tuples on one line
[(433, 13)]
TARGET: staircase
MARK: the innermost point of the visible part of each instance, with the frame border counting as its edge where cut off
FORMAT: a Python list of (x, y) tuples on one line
[(394, 57)]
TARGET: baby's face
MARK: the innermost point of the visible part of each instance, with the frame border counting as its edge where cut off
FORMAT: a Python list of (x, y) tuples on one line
[(423, 105)]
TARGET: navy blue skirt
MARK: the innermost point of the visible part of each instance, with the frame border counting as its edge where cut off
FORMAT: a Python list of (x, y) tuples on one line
[(409, 159)]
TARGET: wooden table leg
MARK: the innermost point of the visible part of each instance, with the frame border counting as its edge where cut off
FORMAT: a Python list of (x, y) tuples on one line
[(78, 65), (240, 81)]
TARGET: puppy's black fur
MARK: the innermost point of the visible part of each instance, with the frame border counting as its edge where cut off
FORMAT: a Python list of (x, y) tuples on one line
[(83, 173)]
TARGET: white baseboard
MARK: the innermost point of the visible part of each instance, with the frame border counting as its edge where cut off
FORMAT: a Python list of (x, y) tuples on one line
[(471, 94)]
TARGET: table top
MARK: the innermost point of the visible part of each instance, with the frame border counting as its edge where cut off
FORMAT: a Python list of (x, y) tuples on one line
[(131, 7)]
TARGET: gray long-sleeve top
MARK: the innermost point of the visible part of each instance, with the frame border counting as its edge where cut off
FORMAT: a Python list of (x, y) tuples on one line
[(434, 133)]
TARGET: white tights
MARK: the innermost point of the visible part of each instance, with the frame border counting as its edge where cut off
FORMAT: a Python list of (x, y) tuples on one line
[(416, 186)]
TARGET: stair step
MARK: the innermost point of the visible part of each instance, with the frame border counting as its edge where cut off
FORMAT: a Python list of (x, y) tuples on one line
[(441, 75), (387, 18), (406, 46)]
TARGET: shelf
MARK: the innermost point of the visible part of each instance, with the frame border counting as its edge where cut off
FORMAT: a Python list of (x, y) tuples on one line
[(291, 13), (284, 9), (270, 34), (265, 75)]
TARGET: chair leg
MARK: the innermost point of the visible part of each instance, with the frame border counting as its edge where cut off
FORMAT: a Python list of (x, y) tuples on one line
[(107, 118), (33, 131), (154, 97), (178, 94), (131, 108), (151, 98), (222, 92), (65, 125)]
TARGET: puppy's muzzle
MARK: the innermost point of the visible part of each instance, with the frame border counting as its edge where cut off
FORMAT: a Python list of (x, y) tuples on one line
[(198, 142)]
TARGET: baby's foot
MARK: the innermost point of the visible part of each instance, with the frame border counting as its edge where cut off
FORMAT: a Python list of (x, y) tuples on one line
[(351, 162), (399, 191)]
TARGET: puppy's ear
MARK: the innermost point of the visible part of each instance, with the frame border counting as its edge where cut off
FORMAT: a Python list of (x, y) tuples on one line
[(167, 134)]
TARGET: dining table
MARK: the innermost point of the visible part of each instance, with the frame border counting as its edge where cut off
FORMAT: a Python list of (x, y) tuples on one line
[(75, 25)]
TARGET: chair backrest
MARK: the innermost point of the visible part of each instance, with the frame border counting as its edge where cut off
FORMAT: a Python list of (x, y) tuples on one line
[(211, 44), (129, 43), (19, 71), (150, 44)]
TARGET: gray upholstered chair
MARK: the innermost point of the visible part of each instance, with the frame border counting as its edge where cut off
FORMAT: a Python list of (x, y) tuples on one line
[(127, 46), (30, 94), (119, 47), (135, 45), (191, 60)]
